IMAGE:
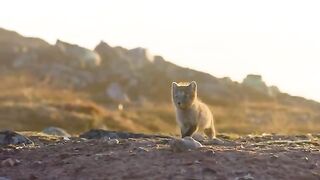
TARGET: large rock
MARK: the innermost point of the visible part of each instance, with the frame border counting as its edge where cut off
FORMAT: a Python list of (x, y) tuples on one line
[(140, 57), (13, 45), (11, 137), (274, 91), (107, 52), (85, 57), (20, 43), (255, 82), (116, 63), (55, 131)]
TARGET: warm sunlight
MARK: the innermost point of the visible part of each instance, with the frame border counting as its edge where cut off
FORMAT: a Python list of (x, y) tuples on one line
[(167, 89), (278, 39)]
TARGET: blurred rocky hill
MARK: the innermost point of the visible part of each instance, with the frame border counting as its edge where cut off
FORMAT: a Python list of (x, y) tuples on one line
[(134, 77)]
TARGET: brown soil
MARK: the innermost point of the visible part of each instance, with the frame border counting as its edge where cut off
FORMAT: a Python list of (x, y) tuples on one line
[(258, 157)]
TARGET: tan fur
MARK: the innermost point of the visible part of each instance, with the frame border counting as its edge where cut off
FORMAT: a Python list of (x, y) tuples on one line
[(192, 115)]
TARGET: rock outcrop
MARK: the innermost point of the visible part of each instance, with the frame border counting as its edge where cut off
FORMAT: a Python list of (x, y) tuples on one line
[(82, 57), (256, 82)]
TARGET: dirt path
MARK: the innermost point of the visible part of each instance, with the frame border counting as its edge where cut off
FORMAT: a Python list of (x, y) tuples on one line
[(267, 157)]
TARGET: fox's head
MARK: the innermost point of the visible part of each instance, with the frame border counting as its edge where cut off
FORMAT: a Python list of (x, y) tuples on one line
[(184, 94)]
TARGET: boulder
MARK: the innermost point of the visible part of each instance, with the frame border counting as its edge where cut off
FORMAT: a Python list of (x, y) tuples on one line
[(11, 137), (256, 82), (106, 52), (84, 57), (274, 91), (140, 57), (55, 131)]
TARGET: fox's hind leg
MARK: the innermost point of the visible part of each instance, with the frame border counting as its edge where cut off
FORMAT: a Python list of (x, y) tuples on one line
[(210, 132)]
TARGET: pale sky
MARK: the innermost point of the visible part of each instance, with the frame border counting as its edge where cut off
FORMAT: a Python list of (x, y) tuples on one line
[(278, 39)]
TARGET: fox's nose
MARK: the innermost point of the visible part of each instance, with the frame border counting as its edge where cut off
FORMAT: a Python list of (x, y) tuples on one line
[(179, 103)]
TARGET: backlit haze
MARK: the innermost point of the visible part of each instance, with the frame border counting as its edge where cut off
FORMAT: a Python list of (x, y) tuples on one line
[(278, 39)]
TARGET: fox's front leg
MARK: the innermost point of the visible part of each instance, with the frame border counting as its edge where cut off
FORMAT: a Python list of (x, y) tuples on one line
[(188, 130)]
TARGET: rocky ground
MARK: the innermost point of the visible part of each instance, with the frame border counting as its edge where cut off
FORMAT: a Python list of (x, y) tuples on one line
[(114, 155)]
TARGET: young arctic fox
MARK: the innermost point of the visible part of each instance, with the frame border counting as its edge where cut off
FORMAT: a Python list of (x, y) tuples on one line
[(192, 115)]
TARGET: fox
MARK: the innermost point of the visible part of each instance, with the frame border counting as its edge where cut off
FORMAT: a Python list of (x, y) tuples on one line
[(192, 115)]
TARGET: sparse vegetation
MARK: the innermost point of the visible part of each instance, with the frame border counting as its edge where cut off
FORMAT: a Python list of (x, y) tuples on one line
[(27, 104), (44, 85)]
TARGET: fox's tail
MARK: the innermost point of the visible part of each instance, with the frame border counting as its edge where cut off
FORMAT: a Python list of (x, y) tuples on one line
[(213, 129)]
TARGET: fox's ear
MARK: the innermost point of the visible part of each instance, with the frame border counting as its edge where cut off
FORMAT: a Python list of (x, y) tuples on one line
[(174, 85), (193, 85)]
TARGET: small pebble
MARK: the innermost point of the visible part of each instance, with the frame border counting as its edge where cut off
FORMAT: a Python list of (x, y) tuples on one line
[(273, 157), (184, 144), (246, 177), (66, 138), (113, 142), (9, 162)]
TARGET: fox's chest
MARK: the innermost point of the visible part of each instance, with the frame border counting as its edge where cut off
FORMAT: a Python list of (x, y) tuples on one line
[(187, 117)]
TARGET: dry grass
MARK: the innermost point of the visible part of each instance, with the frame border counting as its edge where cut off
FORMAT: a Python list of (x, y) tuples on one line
[(27, 104), (266, 118)]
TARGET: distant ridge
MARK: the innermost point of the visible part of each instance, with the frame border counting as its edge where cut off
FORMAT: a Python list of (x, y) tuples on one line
[(115, 75)]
